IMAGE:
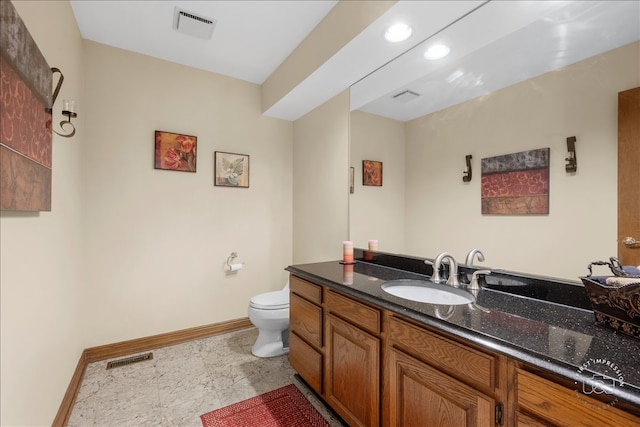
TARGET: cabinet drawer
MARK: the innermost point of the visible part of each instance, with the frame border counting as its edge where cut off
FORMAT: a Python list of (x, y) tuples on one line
[(306, 289), (524, 420), (562, 406), (306, 319), (306, 361), (357, 313), (468, 365)]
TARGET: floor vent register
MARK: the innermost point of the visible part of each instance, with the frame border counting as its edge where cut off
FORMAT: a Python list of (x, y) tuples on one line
[(129, 360)]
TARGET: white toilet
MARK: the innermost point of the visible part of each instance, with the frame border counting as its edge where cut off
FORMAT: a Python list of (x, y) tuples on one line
[(269, 312)]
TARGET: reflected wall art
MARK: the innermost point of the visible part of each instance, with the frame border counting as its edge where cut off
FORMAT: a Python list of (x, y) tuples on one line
[(372, 173), (516, 184)]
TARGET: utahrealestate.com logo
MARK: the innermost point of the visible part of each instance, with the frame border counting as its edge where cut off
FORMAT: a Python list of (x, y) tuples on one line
[(601, 385)]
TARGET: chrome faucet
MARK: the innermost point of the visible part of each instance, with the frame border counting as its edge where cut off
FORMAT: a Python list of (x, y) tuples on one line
[(453, 269), (471, 255)]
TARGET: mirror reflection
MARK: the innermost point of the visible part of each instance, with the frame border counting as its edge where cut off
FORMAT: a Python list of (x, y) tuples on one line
[(519, 76)]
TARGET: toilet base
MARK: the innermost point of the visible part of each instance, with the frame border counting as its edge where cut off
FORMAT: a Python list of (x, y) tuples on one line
[(269, 344)]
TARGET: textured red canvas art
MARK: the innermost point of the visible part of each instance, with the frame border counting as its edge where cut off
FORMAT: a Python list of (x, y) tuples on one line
[(516, 184), (25, 133)]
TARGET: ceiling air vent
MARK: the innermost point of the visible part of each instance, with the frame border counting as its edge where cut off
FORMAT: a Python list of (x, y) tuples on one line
[(193, 25), (406, 96)]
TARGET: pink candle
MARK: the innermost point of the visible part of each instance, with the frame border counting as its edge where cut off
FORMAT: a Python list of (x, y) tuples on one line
[(373, 245), (347, 275), (347, 251)]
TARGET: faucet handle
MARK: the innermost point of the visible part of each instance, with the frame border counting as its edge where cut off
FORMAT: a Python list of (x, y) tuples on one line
[(474, 279), (435, 276)]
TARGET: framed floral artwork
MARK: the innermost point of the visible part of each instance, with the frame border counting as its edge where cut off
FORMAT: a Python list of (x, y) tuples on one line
[(372, 173), (231, 170), (175, 151)]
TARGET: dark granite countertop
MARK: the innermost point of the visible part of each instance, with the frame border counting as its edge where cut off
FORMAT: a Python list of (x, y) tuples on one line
[(555, 337)]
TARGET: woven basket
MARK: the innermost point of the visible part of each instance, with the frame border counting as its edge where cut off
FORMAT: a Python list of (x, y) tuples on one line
[(616, 307)]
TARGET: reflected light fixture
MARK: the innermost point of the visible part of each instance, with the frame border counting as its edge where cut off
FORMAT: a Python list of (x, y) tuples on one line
[(437, 51), (68, 108), (398, 33)]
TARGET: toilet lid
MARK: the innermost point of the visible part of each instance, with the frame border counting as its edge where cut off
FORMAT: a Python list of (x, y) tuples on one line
[(271, 300)]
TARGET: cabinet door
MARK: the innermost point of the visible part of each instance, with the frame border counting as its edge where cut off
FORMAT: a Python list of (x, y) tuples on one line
[(352, 374), (420, 395)]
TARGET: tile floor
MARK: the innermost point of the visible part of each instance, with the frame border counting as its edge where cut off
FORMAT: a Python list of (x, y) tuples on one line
[(181, 383)]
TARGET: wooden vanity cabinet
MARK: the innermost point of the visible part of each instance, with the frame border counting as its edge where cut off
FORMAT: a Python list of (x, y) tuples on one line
[(352, 360), (542, 402), (435, 381), (306, 327), (375, 367)]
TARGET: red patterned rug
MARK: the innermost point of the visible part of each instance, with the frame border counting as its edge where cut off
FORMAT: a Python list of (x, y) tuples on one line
[(283, 407)]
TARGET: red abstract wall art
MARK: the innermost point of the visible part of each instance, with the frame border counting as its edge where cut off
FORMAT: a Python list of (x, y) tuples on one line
[(25, 131), (516, 184)]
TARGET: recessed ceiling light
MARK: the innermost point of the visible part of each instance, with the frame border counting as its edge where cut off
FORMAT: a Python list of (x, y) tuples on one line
[(398, 32), (437, 51)]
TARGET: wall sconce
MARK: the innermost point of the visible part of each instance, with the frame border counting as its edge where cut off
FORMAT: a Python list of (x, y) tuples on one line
[(466, 174), (68, 108), (572, 160)]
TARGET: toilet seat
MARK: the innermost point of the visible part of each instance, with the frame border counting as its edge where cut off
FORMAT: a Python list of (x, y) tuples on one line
[(276, 300)]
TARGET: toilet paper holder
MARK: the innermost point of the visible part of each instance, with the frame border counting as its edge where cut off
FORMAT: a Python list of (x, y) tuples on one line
[(230, 264)]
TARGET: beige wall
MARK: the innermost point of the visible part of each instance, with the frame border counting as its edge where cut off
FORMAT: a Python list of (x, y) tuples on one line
[(320, 181), (378, 212), (156, 241), (443, 213), (41, 254), (129, 251)]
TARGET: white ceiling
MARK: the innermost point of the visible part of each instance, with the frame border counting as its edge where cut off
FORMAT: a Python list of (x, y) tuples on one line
[(252, 38), (499, 44)]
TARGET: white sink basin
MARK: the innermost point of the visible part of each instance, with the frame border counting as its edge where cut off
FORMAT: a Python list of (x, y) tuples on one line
[(429, 292)]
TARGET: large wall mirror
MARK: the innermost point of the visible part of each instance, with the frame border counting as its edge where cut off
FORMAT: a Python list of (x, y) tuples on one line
[(519, 76)]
